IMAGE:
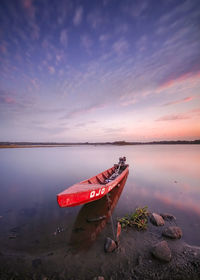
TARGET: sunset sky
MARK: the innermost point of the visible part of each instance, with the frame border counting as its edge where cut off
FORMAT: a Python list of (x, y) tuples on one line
[(109, 70)]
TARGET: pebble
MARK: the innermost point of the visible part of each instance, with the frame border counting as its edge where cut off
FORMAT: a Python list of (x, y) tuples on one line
[(156, 219), (12, 236), (139, 260), (110, 245), (36, 263), (173, 232), (162, 251)]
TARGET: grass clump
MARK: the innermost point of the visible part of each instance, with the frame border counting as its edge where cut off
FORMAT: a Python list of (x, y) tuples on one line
[(138, 219)]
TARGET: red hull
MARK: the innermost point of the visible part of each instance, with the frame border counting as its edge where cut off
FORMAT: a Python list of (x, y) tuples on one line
[(91, 189)]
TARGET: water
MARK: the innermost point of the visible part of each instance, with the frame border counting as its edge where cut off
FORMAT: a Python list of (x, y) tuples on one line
[(164, 177)]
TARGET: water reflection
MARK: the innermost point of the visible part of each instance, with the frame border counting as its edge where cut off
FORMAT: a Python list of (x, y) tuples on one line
[(166, 178), (93, 217)]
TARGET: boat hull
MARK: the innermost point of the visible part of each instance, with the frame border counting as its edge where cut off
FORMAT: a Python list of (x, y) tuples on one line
[(91, 189)]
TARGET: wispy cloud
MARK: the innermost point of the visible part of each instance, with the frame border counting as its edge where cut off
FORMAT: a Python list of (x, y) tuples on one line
[(82, 111), (121, 46), (95, 19), (86, 42), (64, 37), (136, 8), (29, 7), (6, 97), (170, 81), (186, 99), (173, 117), (181, 116), (78, 16), (51, 69)]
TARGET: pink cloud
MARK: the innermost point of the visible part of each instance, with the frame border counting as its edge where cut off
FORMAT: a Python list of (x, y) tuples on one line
[(82, 111), (121, 46), (186, 99), (7, 100), (28, 6), (64, 37), (78, 16), (174, 117), (51, 69), (86, 42), (3, 48), (172, 82), (182, 116)]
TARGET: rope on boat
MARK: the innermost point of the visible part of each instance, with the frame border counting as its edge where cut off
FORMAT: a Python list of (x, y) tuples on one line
[(111, 218)]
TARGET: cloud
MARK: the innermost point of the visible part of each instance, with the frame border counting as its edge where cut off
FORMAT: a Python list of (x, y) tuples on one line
[(51, 69), (78, 16), (103, 38), (64, 37), (86, 42), (35, 33), (114, 130), (95, 19), (6, 98), (29, 8), (3, 48), (173, 117), (121, 46), (84, 110), (84, 124), (186, 99), (136, 8), (170, 81), (181, 116)]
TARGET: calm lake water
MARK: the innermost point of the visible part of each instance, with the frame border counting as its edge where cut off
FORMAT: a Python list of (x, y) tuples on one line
[(166, 178)]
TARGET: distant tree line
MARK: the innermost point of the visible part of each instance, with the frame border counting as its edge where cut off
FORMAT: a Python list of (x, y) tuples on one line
[(171, 142)]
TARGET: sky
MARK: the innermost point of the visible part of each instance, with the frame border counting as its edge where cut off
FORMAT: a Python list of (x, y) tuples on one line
[(99, 70)]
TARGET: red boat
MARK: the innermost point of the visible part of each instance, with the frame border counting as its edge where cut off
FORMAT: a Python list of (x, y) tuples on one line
[(95, 187)]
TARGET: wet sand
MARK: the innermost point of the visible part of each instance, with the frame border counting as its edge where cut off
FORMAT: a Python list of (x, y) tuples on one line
[(132, 259)]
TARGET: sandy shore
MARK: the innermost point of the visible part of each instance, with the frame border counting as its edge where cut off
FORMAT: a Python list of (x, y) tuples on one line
[(132, 260)]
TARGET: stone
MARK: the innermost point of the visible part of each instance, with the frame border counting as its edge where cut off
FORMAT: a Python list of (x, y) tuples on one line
[(156, 219), (162, 251), (36, 263), (139, 260), (167, 216), (173, 232), (99, 278), (110, 245)]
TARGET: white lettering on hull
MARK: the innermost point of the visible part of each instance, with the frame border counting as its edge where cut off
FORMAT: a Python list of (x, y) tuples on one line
[(97, 193)]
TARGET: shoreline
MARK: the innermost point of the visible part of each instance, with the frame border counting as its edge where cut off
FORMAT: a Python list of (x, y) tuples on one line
[(22, 146), (131, 260)]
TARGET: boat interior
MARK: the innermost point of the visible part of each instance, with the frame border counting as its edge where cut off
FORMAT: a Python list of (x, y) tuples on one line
[(107, 176)]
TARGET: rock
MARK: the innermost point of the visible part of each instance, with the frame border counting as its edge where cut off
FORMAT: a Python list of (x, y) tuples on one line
[(172, 232), (99, 278), (167, 216), (36, 263), (110, 245), (162, 251), (50, 254), (12, 236), (139, 260), (156, 219)]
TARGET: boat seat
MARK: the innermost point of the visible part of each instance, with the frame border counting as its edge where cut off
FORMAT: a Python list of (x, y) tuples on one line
[(100, 181)]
